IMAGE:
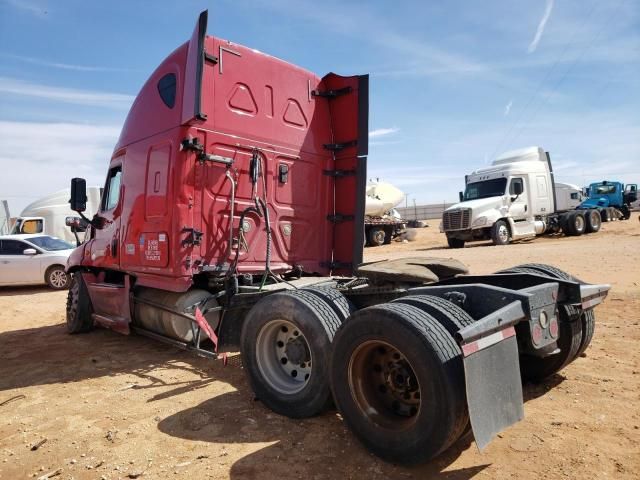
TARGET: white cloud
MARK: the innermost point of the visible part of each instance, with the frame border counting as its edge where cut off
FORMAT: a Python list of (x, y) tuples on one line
[(379, 132), (540, 30), (116, 101), (507, 108), (32, 169), (33, 7), (63, 66)]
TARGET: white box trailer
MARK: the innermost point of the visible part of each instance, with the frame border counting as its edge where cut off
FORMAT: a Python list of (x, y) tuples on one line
[(48, 214)]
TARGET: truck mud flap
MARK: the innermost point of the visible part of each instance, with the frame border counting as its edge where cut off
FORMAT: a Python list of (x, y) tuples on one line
[(492, 372)]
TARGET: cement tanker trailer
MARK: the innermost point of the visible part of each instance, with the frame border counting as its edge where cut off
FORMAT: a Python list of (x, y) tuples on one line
[(382, 222)]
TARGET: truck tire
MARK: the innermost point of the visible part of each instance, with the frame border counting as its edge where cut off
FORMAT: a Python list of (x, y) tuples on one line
[(626, 213), (455, 242), (519, 269), (79, 308), (285, 346), (604, 215), (56, 277), (537, 369), (594, 221), (500, 234), (376, 236), (549, 270), (388, 235), (588, 320), (336, 300), (448, 314), (575, 224), (388, 361)]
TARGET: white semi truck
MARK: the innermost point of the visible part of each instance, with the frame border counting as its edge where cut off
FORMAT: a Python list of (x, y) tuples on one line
[(517, 198), (48, 215)]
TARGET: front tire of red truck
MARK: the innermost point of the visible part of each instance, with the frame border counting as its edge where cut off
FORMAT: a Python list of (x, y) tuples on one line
[(398, 381), (79, 308), (285, 344)]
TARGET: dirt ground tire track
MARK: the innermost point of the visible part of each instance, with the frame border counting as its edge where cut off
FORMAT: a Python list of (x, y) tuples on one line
[(433, 355), (318, 323)]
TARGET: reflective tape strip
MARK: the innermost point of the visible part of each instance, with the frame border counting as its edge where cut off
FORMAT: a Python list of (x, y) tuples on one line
[(592, 301), (487, 341)]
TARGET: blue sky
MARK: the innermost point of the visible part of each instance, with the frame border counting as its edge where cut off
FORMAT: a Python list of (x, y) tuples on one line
[(453, 84)]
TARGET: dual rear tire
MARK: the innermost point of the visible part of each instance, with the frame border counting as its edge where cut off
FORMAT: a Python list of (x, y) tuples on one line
[(574, 223), (594, 221), (395, 370), (286, 347), (398, 381)]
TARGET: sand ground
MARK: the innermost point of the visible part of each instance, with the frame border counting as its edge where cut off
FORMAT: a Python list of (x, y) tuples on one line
[(111, 406)]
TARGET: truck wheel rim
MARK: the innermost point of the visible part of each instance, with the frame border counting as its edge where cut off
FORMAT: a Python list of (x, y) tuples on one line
[(384, 386), (283, 356), (58, 278), (379, 237), (595, 219), (503, 233), (579, 223)]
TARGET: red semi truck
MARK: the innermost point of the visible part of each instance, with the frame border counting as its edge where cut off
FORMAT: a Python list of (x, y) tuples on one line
[(232, 219)]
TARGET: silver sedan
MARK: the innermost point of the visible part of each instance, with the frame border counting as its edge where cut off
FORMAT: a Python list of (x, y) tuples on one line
[(33, 260)]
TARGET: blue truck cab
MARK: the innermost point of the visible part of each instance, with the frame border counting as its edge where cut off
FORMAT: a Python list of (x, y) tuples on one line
[(611, 194)]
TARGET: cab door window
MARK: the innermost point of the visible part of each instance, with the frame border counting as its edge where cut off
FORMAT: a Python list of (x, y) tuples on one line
[(514, 181), (31, 226), (112, 189)]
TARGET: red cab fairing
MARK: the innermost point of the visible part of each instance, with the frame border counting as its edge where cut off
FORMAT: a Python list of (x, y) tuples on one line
[(173, 218)]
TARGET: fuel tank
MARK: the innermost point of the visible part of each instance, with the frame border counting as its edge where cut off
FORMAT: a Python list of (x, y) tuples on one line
[(169, 324)]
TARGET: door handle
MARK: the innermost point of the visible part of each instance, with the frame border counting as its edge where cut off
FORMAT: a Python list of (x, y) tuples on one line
[(525, 207)]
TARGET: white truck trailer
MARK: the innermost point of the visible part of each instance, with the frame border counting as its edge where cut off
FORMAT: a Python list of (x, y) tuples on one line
[(48, 215), (516, 198)]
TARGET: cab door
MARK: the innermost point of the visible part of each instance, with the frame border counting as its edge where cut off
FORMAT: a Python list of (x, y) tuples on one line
[(519, 209), (630, 193), (16, 268), (105, 247)]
